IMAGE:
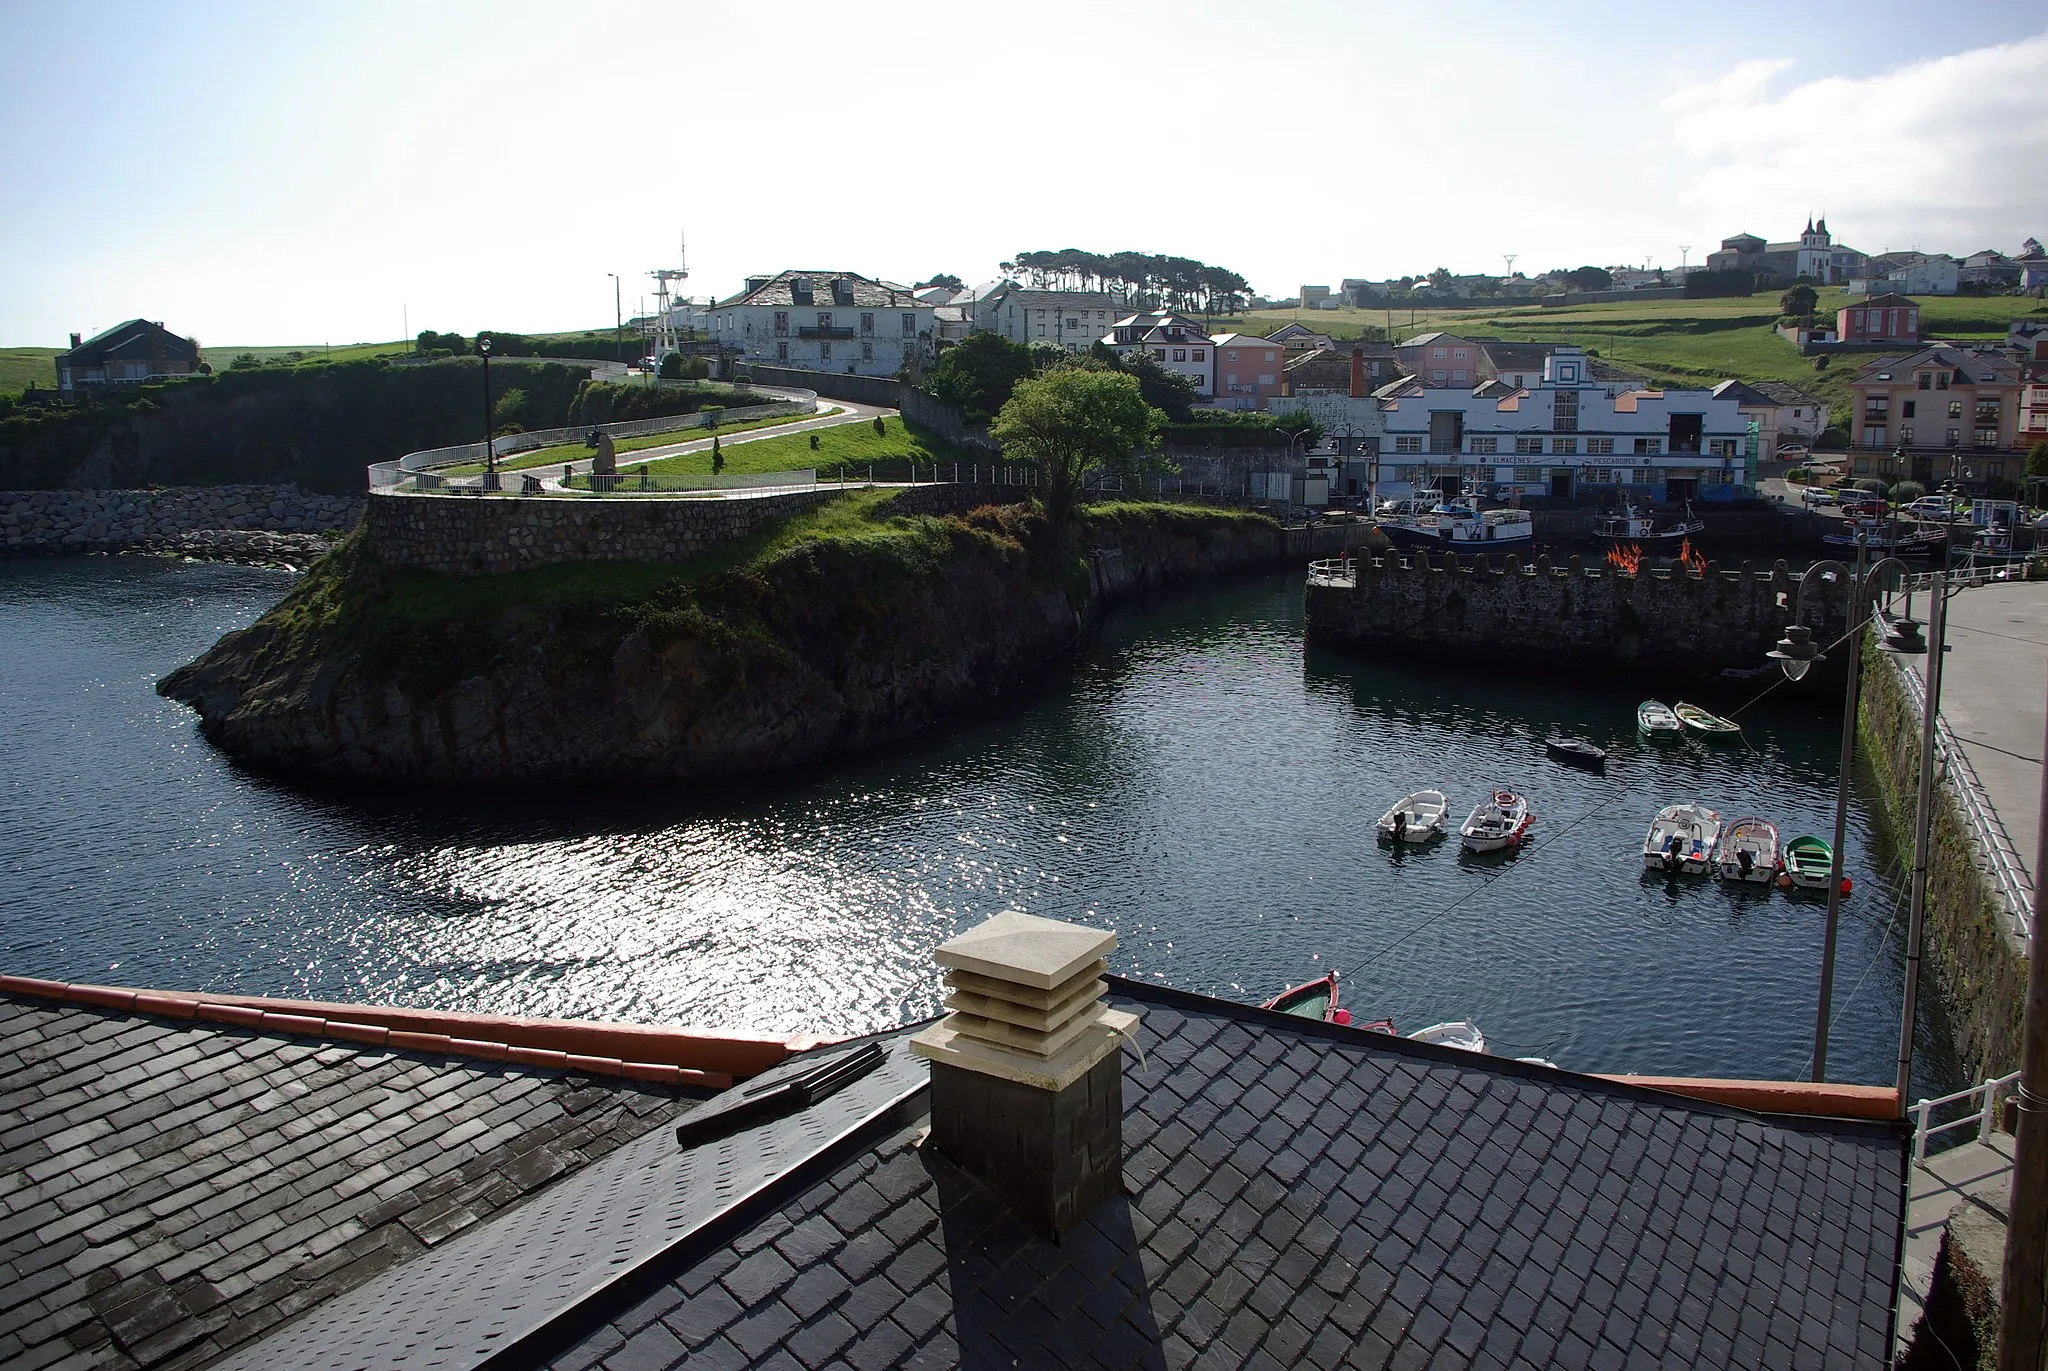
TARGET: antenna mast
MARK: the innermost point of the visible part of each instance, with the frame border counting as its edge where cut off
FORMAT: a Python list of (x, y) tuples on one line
[(664, 315)]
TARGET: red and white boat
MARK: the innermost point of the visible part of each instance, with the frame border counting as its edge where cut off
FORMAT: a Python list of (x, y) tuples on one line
[(1317, 999), (1500, 821)]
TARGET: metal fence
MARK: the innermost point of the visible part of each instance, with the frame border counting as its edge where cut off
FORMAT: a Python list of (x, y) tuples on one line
[(1985, 1115)]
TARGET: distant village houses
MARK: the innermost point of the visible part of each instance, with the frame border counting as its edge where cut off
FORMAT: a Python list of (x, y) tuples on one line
[(1814, 255), (1072, 319), (1175, 341)]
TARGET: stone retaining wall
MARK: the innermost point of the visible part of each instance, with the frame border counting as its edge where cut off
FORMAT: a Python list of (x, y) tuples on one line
[(1568, 615), (479, 535), (34, 522)]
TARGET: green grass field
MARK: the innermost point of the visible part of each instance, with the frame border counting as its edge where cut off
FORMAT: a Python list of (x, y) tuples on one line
[(19, 366), (576, 452), (851, 446)]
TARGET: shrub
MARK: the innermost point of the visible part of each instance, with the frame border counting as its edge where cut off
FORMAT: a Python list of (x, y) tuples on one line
[(1820, 363), (1905, 492), (814, 442), (672, 366), (1870, 487), (1797, 475), (881, 429)]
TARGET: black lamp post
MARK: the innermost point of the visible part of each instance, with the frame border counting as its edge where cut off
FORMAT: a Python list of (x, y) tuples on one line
[(483, 350)]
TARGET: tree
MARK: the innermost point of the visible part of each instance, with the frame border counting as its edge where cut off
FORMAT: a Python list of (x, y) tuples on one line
[(1589, 278), (672, 366), (717, 457), (2037, 460), (944, 278), (1162, 389), (1076, 420), (881, 429), (977, 376), (1440, 280), (1301, 427), (1798, 302)]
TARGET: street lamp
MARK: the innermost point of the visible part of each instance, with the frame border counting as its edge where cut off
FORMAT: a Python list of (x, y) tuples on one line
[(1795, 651), (483, 350)]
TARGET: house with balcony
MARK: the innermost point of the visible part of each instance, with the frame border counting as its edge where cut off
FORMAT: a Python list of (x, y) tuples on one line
[(1250, 370), (1568, 435), (125, 355), (1175, 341), (825, 321), (1073, 319), (2033, 406), (1942, 415)]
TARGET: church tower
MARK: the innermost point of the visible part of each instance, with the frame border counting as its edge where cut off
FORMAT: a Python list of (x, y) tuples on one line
[(1815, 257)]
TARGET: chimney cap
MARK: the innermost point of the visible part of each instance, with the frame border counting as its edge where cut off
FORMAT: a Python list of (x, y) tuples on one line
[(1025, 949)]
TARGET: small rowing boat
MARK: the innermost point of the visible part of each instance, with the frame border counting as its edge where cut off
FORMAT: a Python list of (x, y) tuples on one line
[(1748, 851), (1656, 721), (1707, 725), (1576, 752), (1681, 838), (1499, 822), (1416, 817), (1316, 999), (1808, 862), (1464, 1036)]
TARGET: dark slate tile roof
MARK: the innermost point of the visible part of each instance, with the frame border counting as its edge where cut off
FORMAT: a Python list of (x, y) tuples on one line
[(1308, 1196), (170, 1190)]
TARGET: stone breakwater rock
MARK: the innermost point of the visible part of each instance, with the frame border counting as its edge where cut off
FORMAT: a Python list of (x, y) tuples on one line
[(45, 522), (296, 551), (815, 656)]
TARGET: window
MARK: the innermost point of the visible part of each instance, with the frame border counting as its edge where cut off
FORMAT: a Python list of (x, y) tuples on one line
[(1073, 323), (1906, 409), (1874, 435), (1158, 354), (1954, 436), (1408, 443), (824, 322), (1230, 356), (910, 326), (1564, 409), (1526, 474), (1486, 445), (1600, 476), (867, 349), (1460, 354), (1437, 354), (1955, 409), (1564, 445), (1721, 447), (1941, 380), (1437, 378), (1877, 406), (782, 323), (1906, 434), (867, 323), (1271, 357), (1528, 445), (1926, 380), (1600, 447), (1041, 330), (1459, 378), (824, 352), (1987, 437), (782, 352), (1180, 354), (1649, 447), (1267, 378), (1201, 354)]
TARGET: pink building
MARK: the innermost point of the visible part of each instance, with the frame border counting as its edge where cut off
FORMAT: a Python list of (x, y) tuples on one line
[(1249, 370), (1885, 319)]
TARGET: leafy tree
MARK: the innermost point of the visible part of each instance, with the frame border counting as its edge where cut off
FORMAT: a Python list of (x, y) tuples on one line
[(431, 341), (1300, 426), (814, 442), (717, 457), (1076, 420), (2037, 460), (1799, 301), (1589, 278), (1164, 390), (672, 366), (944, 278), (978, 376), (1905, 492), (1440, 279), (881, 429)]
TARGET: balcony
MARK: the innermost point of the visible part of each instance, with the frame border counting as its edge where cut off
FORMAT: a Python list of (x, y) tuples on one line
[(831, 333)]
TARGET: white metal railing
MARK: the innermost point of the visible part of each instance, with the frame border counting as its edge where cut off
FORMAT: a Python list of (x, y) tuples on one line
[(2015, 886), (1985, 1116)]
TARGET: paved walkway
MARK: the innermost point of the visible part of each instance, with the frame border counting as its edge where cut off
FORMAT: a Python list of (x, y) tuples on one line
[(1977, 1173), (1994, 694)]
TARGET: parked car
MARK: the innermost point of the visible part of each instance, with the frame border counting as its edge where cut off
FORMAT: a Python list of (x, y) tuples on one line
[(1817, 495), (1864, 506), (1931, 507)]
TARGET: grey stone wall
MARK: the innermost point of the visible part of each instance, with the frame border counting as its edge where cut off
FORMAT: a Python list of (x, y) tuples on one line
[(1568, 614), (475, 535), (34, 522), (835, 385)]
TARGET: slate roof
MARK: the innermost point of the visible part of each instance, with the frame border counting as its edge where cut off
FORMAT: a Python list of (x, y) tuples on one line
[(170, 1190), (133, 338), (1783, 393), (1302, 1195), (779, 291)]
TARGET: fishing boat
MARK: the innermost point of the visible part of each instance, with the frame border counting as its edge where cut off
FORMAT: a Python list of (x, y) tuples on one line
[(1909, 538), (1681, 838), (1461, 526), (1576, 752), (1656, 721), (1632, 525), (1808, 862), (1462, 1035), (1498, 822), (1748, 851), (1316, 999), (1417, 817), (1706, 724)]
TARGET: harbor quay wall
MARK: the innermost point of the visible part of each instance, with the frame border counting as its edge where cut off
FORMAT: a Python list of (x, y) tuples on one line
[(1566, 614), (43, 522), (1978, 958)]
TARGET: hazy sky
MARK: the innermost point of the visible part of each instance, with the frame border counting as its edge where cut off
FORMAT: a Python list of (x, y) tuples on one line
[(326, 172)]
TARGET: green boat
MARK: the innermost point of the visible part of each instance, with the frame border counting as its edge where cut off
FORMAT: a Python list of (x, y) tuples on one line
[(1808, 862), (1656, 721), (1705, 724)]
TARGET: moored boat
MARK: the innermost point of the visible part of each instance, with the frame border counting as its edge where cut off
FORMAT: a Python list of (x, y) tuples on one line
[(1417, 817), (1748, 851), (1461, 526), (1656, 721), (1576, 752), (1632, 525), (1681, 838), (1316, 999), (1808, 862), (1911, 538), (1500, 821), (1462, 1035), (1705, 723)]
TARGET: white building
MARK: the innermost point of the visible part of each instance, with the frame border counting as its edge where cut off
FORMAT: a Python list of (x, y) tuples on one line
[(1176, 342), (1567, 435), (1928, 276), (825, 321), (1073, 319)]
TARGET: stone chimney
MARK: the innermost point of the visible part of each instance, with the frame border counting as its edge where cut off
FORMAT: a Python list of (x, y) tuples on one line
[(1027, 1077), (1357, 373), (76, 342)]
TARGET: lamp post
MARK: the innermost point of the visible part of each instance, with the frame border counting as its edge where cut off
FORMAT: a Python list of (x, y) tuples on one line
[(1903, 636), (618, 321), (483, 350)]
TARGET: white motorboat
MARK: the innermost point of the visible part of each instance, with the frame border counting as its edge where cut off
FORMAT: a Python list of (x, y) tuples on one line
[(1748, 851), (1682, 838), (1632, 525), (1416, 817), (1462, 1035), (1500, 821), (1461, 526)]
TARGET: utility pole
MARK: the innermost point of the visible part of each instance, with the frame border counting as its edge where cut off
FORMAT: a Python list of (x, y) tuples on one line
[(1923, 823), (1684, 256), (2023, 1306), (618, 321)]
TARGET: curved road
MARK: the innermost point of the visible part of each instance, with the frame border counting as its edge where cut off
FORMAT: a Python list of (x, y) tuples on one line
[(849, 413)]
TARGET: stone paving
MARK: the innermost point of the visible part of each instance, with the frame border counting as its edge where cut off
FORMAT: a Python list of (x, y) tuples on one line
[(1978, 1173)]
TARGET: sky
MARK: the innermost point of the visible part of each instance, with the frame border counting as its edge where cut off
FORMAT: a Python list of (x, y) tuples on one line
[(255, 173)]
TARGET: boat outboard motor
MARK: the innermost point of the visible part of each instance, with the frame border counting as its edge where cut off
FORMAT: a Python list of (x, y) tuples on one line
[(1671, 853), (1400, 824), (1744, 860)]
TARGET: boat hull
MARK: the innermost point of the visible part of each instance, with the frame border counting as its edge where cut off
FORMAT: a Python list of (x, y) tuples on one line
[(1429, 540)]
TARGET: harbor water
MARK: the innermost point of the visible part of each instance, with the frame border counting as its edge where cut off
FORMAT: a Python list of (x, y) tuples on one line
[(1199, 782)]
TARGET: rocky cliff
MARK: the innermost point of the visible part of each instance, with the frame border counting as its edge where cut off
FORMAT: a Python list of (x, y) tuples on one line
[(845, 627)]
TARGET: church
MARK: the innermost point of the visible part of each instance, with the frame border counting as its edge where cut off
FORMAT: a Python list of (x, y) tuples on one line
[(1815, 256)]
